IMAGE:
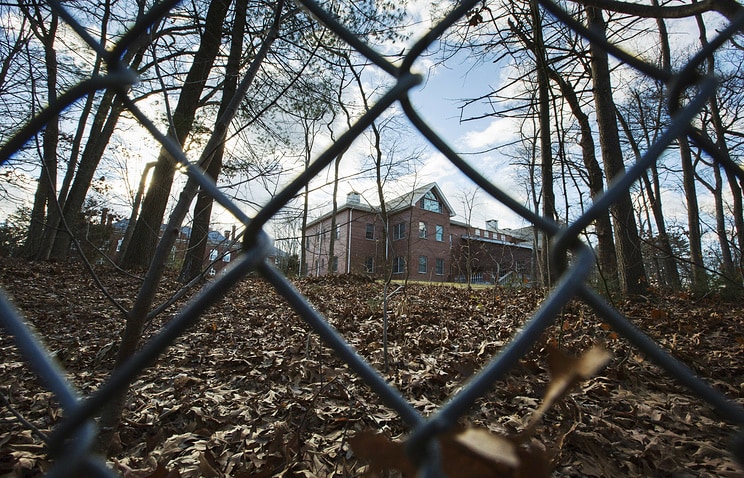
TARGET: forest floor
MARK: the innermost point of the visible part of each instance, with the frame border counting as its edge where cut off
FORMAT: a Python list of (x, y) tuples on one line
[(249, 391)]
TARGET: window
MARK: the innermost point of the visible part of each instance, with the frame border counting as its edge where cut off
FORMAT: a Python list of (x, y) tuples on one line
[(369, 233), (118, 245), (439, 267), (477, 232), (399, 230), (213, 255), (338, 231), (399, 265), (422, 265), (422, 230), (334, 264), (439, 233), (226, 257), (369, 265), (431, 203)]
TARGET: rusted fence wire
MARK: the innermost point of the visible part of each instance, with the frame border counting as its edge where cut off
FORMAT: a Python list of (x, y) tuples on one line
[(70, 443)]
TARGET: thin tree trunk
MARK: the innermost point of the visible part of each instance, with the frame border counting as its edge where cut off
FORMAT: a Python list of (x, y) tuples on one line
[(147, 230), (332, 261), (699, 277), (136, 318), (670, 277), (602, 225), (733, 273), (44, 207), (104, 123), (199, 238), (546, 152), (135, 209), (54, 221), (101, 131), (630, 260)]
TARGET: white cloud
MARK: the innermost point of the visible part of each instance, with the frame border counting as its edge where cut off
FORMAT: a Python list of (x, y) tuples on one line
[(497, 132)]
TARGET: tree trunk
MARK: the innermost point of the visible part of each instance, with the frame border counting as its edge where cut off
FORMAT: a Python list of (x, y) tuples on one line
[(332, 261), (546, 151), (630, 261), (44, 206), (147, 230), (54, 221), (199, 238), (669, 277), (136, 317), (602, 225), (101, 131), (732, 272), (698, 278), (738, 212), (104, 122)]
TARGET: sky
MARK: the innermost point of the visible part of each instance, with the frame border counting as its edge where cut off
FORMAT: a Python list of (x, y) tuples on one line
[(438, 100)]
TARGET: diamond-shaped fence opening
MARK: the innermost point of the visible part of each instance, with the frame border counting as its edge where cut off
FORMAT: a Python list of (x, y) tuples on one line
[(71, 442)]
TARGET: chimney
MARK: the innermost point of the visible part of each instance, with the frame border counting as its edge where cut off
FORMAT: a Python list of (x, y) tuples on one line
[(492, 225), (353, 199), (227, 234)]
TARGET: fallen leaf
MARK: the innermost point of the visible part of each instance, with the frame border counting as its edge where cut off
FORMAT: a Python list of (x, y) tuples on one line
[(565, 372), (470, 453)]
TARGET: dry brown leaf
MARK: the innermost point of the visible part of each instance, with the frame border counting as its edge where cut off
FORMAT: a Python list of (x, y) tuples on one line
[(565, 372), (491, 447), (382, 453), (208, 465), (470, 453), (162, 472)]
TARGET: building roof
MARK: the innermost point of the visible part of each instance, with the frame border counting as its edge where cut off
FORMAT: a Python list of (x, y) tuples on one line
[(404, 201), (213, 237), (412, 197)]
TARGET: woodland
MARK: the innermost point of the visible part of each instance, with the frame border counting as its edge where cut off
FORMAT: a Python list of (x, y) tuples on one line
[(251, 391), (206, 115)]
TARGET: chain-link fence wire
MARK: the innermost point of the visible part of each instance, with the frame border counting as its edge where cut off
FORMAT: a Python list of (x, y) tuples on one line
[(71, 441)]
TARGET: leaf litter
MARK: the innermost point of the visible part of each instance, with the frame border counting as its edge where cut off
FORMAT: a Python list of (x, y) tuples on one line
[(250, 391)]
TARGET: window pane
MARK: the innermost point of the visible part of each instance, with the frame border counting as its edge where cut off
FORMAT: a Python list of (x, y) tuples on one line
[(422, 230), (431, 203), (399, 265), (422, 264), (440, 233)]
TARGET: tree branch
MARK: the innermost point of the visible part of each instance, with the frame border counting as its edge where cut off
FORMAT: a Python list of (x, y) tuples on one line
[(727, 8)]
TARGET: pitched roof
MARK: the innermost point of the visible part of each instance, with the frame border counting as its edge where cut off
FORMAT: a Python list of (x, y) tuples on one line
[(404, 201), (412, 197)]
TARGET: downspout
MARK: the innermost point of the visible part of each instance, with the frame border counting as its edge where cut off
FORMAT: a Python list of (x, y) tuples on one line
[(348, 244)]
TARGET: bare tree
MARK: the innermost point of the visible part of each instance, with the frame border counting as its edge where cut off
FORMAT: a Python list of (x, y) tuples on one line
[(138, 315), (630, 260), (139, 253), (199, 236), (44, 25)]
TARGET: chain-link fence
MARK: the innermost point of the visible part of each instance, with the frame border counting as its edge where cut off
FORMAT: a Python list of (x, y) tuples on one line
[(70, 444)]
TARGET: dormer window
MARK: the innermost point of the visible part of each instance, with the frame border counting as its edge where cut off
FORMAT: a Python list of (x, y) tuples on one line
[(431, 203)]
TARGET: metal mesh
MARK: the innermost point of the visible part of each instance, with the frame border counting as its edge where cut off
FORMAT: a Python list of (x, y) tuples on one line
[(71, 441)]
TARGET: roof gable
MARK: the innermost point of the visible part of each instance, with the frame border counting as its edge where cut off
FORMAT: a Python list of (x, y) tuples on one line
[(412, 198)]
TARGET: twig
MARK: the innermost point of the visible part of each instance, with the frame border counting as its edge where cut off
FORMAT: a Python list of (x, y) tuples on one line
[(34, 429)]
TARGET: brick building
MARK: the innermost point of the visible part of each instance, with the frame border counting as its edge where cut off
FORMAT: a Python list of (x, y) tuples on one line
[(424, 243), (221, 249)]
